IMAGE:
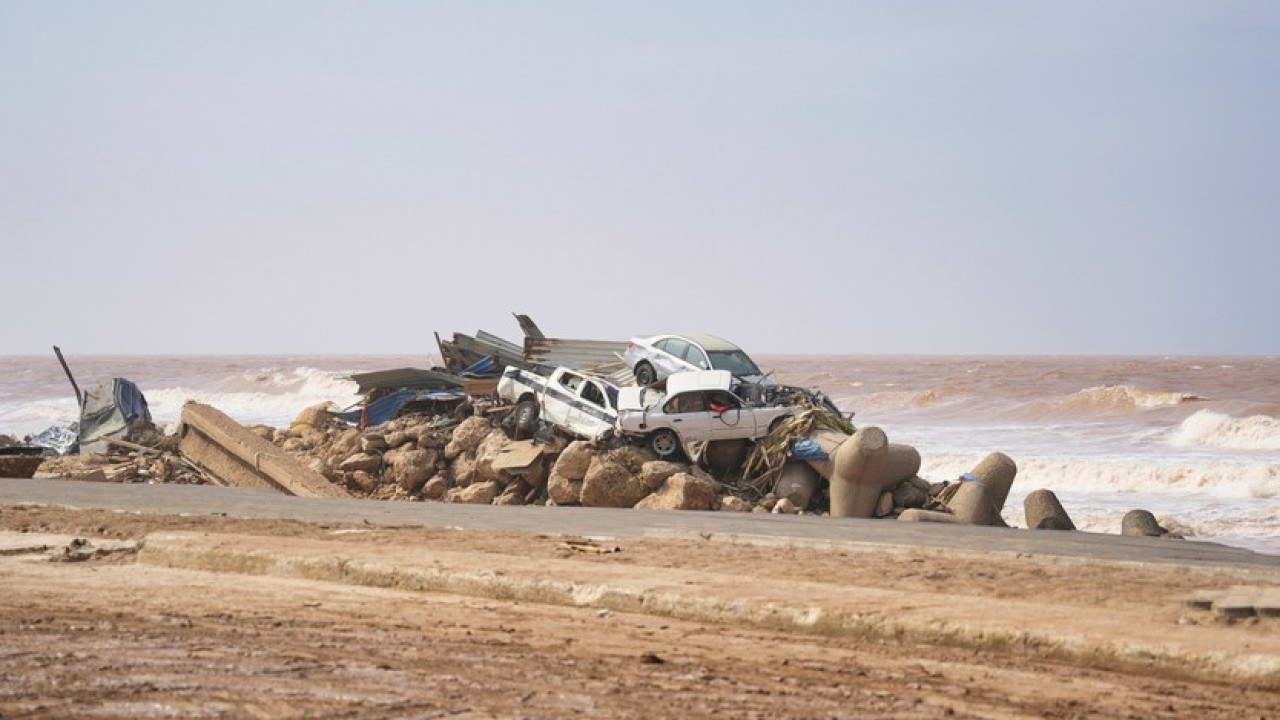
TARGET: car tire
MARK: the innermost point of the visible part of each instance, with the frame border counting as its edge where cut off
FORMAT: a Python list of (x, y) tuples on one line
[(525, 419), (645, 374), (665, 444)]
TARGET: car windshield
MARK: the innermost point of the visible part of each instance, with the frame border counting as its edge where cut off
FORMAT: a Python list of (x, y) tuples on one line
[(735, 361)]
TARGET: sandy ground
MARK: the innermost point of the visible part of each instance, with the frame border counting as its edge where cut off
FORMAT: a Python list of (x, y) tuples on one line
[(112, 637)]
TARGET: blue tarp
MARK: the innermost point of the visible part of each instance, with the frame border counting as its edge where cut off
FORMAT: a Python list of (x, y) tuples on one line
[(388, 406), (806, 449)]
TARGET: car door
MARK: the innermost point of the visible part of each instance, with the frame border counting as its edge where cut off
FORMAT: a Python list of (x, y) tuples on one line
[(688, 415), (560, 397), (734, 422), (593, 414), (671, 359)]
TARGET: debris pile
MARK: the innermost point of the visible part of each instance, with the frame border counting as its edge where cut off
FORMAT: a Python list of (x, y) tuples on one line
[(552, 423)]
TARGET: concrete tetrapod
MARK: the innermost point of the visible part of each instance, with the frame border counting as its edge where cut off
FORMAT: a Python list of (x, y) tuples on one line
[(972, 504), (863, 467), (996, 471), (1044, 512)]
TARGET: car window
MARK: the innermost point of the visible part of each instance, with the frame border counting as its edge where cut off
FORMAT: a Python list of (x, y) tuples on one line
[(591, 393), (735, 361), (676, 347), (688, 402), (570, 381), (694, 356)]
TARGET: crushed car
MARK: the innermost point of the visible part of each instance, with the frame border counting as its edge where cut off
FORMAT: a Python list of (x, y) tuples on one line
[(578, 403), (697, 406)]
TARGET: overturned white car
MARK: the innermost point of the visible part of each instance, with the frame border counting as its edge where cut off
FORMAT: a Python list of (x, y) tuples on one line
[(577, 403), (696, 406)]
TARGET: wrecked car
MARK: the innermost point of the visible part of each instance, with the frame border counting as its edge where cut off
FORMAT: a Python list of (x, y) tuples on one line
[(580, 404), (697, 406), (657, 357)]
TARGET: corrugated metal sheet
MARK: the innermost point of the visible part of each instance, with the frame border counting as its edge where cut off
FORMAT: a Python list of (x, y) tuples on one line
[(404, 378), (528, 326), (602, 357)]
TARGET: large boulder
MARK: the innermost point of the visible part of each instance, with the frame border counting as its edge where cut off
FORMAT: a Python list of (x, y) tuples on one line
[(467, 436), (435, 488), (683, 491), (411, 468), (481, 493), (312, 418), (464, 471), (563, 491), (361, 462), (655, 472), (487, 451), (631, 457), (611, 484), (575, 461)]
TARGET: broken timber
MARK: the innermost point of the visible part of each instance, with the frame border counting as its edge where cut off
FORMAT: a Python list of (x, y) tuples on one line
[(233, 455)]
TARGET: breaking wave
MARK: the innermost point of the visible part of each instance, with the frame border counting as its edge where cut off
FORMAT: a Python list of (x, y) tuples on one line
[(1214, 430), (1125, 398), (1233, 479), (269, 396)]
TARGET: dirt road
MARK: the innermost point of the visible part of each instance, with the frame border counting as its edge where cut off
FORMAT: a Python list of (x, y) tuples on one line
[(114, 637)]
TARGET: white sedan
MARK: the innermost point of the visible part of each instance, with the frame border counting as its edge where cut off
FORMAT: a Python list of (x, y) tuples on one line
[(656, 357), (697, 406)]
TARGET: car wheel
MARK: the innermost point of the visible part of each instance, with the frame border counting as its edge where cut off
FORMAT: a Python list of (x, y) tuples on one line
[(664, 443), (644, 373), (525, 419)]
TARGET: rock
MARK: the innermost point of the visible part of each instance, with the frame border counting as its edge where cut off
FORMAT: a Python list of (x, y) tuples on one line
[(655, 472), (361, 462), (784, 506), (344, 444), (320, 467), (487, 451), (732, 503), (411, 468), (312, 418), (373, 442), (435, 488), (362, 481), (481, 493), (467, 436), (1044, 512), (682, 491), (563, 491), (911, 493), (759, 510), (399, 437), (1141, 523), (611, 484), (293, 445), (266, 432), (574, 461), (884, 507), (512, 495), (464, 471), (631, 457)]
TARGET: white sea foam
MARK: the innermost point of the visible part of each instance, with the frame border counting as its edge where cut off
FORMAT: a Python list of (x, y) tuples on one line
[(1215, 430), (280, 397), (1227, 479)]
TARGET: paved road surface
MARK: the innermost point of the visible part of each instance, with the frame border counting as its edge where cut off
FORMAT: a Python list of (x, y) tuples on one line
[(603, 522)]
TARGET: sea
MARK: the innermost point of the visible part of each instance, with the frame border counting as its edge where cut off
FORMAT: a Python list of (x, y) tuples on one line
[(1194, 440)]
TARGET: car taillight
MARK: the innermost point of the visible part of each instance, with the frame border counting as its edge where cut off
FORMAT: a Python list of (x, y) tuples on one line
[(630, 344)]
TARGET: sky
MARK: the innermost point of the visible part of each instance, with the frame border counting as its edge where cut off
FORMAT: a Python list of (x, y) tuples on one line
[(1011, 177)]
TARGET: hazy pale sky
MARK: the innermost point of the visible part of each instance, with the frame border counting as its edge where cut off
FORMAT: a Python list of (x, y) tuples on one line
[(815, 177)]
